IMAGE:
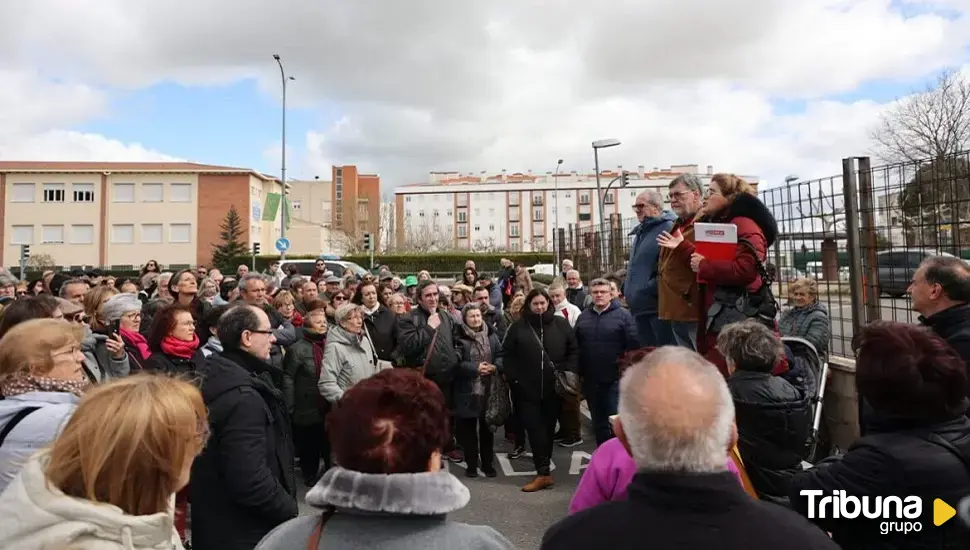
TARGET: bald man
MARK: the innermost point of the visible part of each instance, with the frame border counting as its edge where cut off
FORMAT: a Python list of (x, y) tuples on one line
[(677, 422)]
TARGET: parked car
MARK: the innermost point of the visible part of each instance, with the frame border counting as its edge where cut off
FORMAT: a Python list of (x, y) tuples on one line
[(897, 267), (338, 267)]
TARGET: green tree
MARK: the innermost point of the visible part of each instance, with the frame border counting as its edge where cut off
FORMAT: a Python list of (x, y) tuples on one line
[(231, 235)]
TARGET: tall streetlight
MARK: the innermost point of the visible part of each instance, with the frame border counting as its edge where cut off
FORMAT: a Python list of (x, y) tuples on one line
[(284, 79), (597, 145), (555, 232)]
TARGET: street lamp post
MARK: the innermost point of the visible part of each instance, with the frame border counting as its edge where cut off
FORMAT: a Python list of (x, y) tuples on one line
[(597, 145), (283, 78), (789, 179), (555, 232)]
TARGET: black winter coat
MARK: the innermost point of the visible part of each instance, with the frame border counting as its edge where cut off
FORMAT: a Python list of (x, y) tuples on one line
[(602, 338), (898, 457), (686, 511), (174, 366), (527, 373), (774, 421), (465, 404), (953, 325), (415, 337), (243, 484), (382, 327)]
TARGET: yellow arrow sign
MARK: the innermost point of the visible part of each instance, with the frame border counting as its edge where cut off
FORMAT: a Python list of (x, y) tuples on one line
[(942, 512)]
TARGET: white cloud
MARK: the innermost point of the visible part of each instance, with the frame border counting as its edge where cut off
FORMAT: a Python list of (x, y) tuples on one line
[(437, 84)]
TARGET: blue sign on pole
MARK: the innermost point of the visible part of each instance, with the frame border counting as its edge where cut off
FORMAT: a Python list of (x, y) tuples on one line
[(282, 244)]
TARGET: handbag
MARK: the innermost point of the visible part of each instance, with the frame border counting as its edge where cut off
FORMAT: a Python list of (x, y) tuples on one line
[(567, 382), (498, 408), (732, 306)]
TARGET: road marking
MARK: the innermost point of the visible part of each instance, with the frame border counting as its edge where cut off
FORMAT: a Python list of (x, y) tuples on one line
[(578, 461)]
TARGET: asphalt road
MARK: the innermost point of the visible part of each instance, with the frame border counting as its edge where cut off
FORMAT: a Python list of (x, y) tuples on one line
[(840, 314), (498, 502)]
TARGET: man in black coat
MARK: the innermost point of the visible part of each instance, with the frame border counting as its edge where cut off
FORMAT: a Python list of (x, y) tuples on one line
[(941, 294), (676, 420), (492, 317), (243, 484)]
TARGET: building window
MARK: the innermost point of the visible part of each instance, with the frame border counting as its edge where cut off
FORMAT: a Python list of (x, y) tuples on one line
[(22, 192), (449, 213), (538, 229), (180, 233), (536, 200), (152, 192), (462, 217), (477, 212), (514, 199), (491, 211), (151, 233), (407, 198), (514, 214), (421, 213), (585, 217), (181, 192), (22, 234), (82, 234), (584, 197), (491, 227), (513, 230), (53, 234), (124, 192), (123, 233), (537, 214), (435, 213), (514, 245), (609, 198), (477, 228), (462, 200), (462, 231), (296, 205), (83, 192), (53, 192)]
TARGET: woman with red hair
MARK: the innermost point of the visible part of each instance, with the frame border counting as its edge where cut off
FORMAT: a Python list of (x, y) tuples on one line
[(917, 442), (387, 432)]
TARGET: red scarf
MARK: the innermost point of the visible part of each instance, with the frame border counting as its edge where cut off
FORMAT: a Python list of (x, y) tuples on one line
[(297, 319), (137, 340), (180, 348)]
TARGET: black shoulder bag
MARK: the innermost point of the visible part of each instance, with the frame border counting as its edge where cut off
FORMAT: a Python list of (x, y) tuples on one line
[(732, 305)]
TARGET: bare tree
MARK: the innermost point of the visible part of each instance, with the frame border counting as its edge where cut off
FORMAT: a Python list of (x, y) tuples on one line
[(425, 237), (485, 245), (386, 227), (824, 209), (929, 124)]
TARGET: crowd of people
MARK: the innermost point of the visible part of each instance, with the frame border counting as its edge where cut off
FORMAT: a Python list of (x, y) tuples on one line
[(176, 409)]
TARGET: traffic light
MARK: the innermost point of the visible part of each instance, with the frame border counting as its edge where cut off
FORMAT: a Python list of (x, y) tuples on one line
[(255, 249), (25, 251), (368, 242), (624, 179)]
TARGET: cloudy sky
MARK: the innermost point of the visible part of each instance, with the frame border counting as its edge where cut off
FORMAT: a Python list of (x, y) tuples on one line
[(767, 87)]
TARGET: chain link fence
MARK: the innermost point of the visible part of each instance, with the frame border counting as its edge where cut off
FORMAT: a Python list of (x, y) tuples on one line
[(860, 235)]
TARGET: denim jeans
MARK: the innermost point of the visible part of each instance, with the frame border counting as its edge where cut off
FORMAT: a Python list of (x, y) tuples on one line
[(603, 400), (653, 332), (683, 334)]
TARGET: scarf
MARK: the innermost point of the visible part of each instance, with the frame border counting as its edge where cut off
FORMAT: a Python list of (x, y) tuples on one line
[(138, 341), (180, 348), (297, 319), (22, 383), (480, 337), (319, 342)]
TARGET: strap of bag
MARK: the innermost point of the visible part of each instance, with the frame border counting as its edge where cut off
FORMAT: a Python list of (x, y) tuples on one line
[(427, 357), (313, 543), (12, 423), (542, 348), (766, 278)]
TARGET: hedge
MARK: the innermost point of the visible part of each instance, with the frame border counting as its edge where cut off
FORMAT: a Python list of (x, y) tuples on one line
[(412, 263)]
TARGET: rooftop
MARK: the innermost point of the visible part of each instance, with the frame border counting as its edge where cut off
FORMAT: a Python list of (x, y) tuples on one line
[(17, 166)]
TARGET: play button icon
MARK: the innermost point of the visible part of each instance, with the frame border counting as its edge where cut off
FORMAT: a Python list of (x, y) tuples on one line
[(942, 512)]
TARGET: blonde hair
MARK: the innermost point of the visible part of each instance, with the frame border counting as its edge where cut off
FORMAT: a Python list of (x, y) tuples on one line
[(28, 347), (136, 460), (283, 298), (516, 305), (731, 185), (804, 283), (94, 299)]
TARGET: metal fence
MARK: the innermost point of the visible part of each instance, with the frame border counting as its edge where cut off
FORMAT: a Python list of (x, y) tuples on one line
[(860, 234)]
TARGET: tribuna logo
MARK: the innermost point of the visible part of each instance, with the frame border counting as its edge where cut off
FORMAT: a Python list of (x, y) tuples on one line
[(900, 514)]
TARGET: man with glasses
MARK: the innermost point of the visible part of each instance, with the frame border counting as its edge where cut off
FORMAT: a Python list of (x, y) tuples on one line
[(677, 289), (252, 291), (640, 287), (426, 335)]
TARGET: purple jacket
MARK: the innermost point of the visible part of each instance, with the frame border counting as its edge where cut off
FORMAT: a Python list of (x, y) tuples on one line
[(607, 476)]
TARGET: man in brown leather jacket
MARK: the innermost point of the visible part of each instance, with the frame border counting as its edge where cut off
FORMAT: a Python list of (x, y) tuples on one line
[(677, 283)]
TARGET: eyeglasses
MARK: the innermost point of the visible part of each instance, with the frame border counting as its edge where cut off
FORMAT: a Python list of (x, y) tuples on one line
[(677, 195), (639, 206), (261, 331), (710, 192), (339, 299)]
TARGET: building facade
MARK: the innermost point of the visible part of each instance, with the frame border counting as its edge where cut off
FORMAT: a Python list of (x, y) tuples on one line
[(517, 211), (126, 213), (356, 200)]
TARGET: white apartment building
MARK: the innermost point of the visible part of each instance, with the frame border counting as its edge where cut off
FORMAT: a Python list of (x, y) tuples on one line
[(516, 211)]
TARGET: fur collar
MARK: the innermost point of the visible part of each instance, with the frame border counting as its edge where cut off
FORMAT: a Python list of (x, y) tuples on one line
[(748, 206), (425, 494)]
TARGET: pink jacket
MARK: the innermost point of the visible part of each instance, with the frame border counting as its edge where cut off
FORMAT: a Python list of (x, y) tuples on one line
[(608, 474)]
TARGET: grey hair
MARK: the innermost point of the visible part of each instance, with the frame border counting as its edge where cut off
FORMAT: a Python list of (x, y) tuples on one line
[(165, 275), (246, 279), (556, 286), (571, 271), (750, 346), (63, 291), (344, 312), (117, 306), (7, 280), (600, 281), (670, 434), (654, 198), (690, 181)]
